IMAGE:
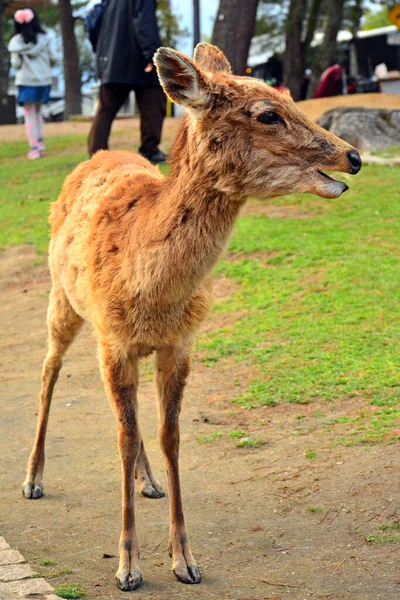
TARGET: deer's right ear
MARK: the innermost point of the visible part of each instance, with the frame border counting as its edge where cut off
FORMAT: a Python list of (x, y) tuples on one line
[(181, 79)]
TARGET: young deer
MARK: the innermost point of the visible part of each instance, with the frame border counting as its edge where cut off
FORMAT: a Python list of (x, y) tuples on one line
[(131, 252)]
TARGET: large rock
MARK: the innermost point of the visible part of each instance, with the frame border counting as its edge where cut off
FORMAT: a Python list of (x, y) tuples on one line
[(364, 128)]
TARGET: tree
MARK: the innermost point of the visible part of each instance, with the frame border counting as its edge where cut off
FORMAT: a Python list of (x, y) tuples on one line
[(72, 75), (233, 30), (293, 64), (4, 56), (312, 22), (326, 54)]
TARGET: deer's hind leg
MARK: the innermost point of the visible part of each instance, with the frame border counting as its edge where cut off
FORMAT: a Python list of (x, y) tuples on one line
[(148, 483), (63, 325)]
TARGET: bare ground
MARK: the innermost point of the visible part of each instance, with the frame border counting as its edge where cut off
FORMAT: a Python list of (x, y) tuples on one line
[(247, 509)]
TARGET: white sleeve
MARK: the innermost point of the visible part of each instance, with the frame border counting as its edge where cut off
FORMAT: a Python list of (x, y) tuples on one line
[(54, 58), (16, 60)]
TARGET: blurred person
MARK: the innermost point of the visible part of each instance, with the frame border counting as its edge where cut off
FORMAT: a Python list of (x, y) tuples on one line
[(32, 56), (305, 84), (332, 82), (126, 43)]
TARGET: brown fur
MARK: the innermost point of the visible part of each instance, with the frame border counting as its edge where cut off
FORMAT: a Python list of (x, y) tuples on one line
[(131, 252)]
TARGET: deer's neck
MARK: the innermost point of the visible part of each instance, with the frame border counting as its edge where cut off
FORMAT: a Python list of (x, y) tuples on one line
[(190, 227)]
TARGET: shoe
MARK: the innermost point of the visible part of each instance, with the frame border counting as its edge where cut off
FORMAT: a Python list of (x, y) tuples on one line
[(33, 154), (41, 146), (156, 157)]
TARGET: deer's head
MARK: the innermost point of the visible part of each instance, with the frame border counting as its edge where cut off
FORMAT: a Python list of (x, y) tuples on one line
[(254, 138)]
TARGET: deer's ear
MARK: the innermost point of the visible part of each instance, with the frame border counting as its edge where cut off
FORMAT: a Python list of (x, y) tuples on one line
[(211, 58), (181, 79)]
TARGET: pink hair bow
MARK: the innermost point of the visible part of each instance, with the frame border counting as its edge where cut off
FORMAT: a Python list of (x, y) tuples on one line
[(24, 15)]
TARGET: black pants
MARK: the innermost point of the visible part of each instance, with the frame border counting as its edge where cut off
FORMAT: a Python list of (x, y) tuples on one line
[(152, 106)]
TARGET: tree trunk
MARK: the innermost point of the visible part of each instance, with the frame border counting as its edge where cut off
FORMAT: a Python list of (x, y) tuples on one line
[(72, 74), (326, 56), (4, 56), (356, 15), (312, 20), (233, 30), (293, 64)]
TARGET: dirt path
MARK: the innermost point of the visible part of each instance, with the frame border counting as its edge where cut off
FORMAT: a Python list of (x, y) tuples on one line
[(247, 509)]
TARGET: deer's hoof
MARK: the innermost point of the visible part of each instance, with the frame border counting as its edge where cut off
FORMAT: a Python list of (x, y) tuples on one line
[(152, 491), (187, 573), (127, 582), (32, 490)]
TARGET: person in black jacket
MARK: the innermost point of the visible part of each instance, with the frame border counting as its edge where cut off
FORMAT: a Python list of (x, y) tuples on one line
[(126, 43)]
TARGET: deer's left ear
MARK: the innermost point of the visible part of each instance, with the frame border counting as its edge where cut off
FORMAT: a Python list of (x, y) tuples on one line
[(181, 79), (211, 58)]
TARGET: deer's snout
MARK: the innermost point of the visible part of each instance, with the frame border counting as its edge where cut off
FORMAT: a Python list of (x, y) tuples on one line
[(355, 161)]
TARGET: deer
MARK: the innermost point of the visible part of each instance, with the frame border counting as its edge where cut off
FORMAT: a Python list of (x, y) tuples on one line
[(132, 252)]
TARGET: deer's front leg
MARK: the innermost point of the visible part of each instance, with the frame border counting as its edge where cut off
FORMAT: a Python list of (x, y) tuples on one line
[(121, 381), (172, 370)]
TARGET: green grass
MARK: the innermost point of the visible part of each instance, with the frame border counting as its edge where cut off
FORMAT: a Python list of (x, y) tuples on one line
[(28, 187), (318, 296), (47, 562), (389, 152), (237, 433), (380, 538), (54, 574), (69, 590), (315, 509), (209, 439), (389, 526), (247, 442), (311, 455)]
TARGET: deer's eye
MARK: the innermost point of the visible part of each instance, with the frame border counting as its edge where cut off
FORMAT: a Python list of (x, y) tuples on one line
[(271, 118)]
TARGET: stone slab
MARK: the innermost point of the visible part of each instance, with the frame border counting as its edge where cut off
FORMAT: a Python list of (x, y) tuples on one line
[(14, 572), (29, 587), (10, 557), (3, 544)]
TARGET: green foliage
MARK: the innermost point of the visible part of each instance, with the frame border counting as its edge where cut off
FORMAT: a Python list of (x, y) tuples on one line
[(315, 509), (168, 24), (373, 19), (69, 590), (271, 17)]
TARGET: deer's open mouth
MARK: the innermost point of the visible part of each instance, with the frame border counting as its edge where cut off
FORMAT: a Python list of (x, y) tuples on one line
[(327, 187)]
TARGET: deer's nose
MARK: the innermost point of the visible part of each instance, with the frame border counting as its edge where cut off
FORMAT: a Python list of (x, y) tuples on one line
[(355, 161)]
